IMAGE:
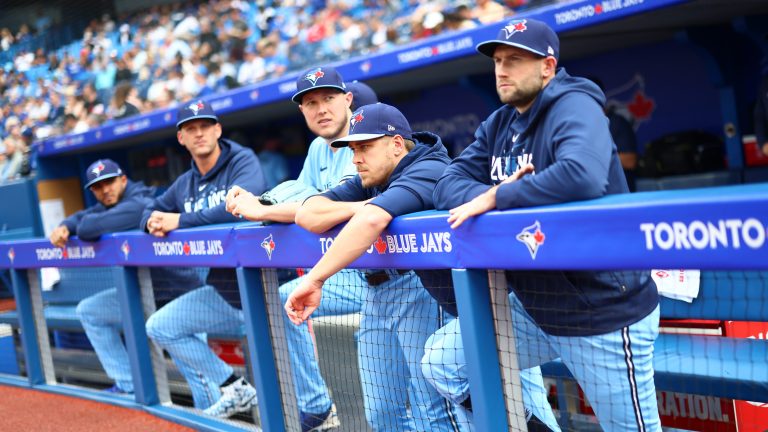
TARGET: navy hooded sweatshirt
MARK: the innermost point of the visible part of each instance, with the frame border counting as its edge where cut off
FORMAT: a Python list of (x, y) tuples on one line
[(565, 135), (200, 199), (91, 223), (409, 187)]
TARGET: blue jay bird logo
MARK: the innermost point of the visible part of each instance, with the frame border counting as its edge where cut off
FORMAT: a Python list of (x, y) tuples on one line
[(125, 248), (314, 76), (532, 237), (269, 245), (195, 107), (514, 27), (356, 118)]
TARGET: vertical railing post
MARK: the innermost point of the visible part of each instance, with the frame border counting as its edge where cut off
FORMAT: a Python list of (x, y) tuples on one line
[(260, 350), (134, 330), (478, 334), (34, 333)]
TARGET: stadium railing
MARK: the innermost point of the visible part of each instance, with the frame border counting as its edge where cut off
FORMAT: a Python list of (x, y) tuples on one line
[(721, 231)]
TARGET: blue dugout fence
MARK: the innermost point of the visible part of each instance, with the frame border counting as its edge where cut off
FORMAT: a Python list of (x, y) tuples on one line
[(716, 229)]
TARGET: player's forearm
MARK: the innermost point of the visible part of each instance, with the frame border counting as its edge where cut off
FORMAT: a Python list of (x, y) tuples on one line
[(284, 212), (356, 237), (319, 214)]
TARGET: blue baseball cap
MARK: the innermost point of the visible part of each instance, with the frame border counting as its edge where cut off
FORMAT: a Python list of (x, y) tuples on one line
[(100, 170), (528, 34), (375, 121), (193, 110), (362, 94), (315, 78)]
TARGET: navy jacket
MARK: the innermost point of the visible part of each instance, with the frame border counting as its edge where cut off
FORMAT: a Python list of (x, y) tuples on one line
[(91, 223), (200, 199), (565, 136)]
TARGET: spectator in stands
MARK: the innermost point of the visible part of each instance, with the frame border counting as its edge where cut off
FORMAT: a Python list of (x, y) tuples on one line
[(489, 11), (761, 108), (459, 18), (324, 101), (396, 174), (601, 324), (120, 107), (120, 204), (624, 137), (197, 198), (13, 151)]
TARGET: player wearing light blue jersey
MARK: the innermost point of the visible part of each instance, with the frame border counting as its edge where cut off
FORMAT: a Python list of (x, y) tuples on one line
[(325, 102)]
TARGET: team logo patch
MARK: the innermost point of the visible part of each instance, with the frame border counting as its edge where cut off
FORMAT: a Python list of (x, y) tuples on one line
[(515, 27), (356, 118), (125, 249), (269, 245), (11, 255), (196, 107), (532, 237), (314, 76)]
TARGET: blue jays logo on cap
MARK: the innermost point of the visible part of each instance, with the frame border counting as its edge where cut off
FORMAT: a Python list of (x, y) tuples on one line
[(528, 34), (195, 110), (374, 121), (356, 118), (195, 107), (514, 27), (317, 78), (314, 76), (100, 170)]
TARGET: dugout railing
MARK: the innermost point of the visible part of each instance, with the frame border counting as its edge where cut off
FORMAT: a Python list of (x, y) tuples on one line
[(721, 231)]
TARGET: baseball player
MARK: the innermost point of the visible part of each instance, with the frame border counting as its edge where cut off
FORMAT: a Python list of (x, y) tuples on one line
[(325, 101), (120, 203), (601, 324), (396, 174), (197, 198)]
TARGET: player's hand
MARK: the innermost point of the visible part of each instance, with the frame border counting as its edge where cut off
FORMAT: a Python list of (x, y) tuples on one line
[(765, 148), (304, 300), (243, 204), (59, 236), (484, 202), (161, 223)]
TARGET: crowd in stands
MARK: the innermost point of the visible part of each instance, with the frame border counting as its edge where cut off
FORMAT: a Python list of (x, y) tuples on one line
[(155, 58)]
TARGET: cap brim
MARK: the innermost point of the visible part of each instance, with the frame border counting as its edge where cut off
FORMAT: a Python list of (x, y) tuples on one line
[(489, 47), (344, 142), (297, 97), (98, 179), (209, 117)]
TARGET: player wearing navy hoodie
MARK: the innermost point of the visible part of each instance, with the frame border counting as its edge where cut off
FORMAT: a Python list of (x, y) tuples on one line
[(550, 143), (397, 170), (197, 198)]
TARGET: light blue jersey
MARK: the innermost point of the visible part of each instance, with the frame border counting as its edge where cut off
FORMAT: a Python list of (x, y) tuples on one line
[(323, 168)]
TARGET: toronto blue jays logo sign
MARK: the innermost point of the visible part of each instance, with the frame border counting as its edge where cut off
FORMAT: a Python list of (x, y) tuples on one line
[(532, 237), (269, 246)]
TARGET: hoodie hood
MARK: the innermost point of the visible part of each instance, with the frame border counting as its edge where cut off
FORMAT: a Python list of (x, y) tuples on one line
[(229, 149), (560, 85), (428, 147)]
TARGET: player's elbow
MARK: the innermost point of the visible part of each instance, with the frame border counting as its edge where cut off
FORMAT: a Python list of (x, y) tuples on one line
[(374, 219)]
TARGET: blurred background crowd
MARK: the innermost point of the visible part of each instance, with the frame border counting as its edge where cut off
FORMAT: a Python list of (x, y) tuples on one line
[(155, 58)]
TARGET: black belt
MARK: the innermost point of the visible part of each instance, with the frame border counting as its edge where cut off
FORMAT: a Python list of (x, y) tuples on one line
[(381, 276)]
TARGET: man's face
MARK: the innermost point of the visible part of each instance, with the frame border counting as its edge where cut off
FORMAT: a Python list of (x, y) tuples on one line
[(375, 160), (519, 77), (200, 137), (326, 112), (109, 192)]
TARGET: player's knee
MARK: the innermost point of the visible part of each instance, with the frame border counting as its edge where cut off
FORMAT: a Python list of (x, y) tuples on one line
[(158, 328), (380, 415), (85, 309)]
